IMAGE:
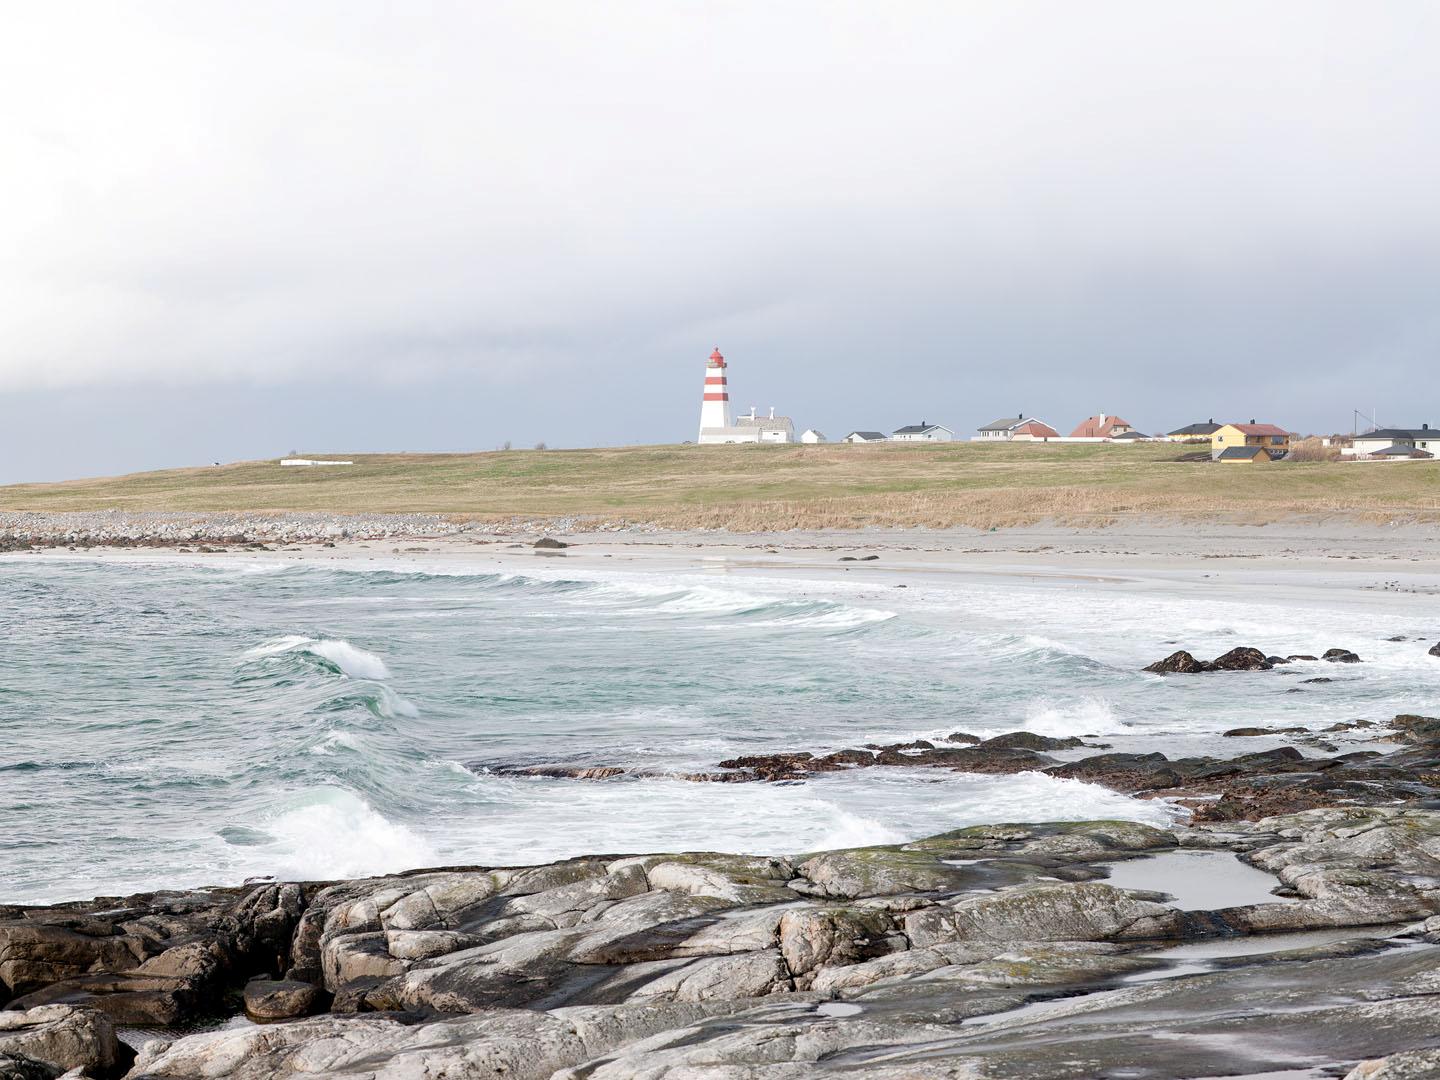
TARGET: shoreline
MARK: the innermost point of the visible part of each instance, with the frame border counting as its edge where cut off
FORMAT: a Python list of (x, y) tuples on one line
[(991, 952)]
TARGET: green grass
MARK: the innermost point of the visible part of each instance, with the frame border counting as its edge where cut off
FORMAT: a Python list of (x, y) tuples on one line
[(746, 487)]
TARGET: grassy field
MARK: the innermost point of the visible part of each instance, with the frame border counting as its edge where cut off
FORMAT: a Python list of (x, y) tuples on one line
[(780, 487)]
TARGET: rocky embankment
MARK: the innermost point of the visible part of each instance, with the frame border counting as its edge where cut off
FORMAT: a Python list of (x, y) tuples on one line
[(1003, 951), (21, 531)]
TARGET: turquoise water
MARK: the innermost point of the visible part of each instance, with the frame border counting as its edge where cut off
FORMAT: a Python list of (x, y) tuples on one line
[(169, 723)]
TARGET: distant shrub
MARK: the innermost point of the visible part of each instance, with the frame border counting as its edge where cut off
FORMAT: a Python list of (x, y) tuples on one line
[(1312, 450), (540, 446)]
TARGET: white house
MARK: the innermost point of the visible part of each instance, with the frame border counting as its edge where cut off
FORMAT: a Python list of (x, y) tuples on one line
[(771, 429), (716, 425), (866, 436), (810, 435), (1016, 429), (1386, 441), (923, 432)]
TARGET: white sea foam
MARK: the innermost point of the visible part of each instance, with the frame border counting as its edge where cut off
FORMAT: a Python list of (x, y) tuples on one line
[(354, 662), (333, 833), (336, 740), (1089, 716), (854, 830)]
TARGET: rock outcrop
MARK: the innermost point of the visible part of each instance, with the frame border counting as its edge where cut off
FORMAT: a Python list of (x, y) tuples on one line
[(60, 1038), (707, 964)]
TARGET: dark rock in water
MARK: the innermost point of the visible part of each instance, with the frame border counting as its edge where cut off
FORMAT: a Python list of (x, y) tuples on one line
[(1122, 772), (1250, 732), (1340, 656), (869, 558), (847, 558), (793, 766), (1302, 656), (1241, 659), (281, 999), (1177, 663), (1435, 649), (1417, 729), (547, 543), (1276, 661), (1349, 725), (962, 737), (1027, 740), (562, 772), (1317, 679)]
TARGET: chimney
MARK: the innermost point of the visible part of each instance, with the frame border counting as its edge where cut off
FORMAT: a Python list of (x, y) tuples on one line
[(1252, 420)]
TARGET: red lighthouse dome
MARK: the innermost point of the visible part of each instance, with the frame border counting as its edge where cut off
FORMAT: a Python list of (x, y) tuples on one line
[(716, 360)]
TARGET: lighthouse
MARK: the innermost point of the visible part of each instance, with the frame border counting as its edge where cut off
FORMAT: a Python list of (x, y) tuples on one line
[(715, 404), (716, 425)]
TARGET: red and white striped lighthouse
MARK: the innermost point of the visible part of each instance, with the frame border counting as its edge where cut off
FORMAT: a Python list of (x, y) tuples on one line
[(715, 405)]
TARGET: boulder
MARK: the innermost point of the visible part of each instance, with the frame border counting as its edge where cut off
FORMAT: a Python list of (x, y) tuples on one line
[(1407, 1065), (64, 1037), (1434, 650), (1028, 740), (1178, 663), (548, 543), (1074, 912), (281, 999), (1241, 659), (817, 937), (724, 978), (1340, 656), (879, 871)]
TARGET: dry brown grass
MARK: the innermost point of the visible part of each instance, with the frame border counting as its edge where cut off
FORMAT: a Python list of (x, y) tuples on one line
[(781, 487)]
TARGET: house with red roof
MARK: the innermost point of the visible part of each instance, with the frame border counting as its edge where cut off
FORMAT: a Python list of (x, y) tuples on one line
[(1017, 429), (1274, 439), (1103, 426)]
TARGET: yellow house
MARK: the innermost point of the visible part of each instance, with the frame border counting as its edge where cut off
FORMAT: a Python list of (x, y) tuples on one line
[(1272, 438)]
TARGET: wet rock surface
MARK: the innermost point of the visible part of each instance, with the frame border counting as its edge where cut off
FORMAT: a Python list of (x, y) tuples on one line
[(991, 951)]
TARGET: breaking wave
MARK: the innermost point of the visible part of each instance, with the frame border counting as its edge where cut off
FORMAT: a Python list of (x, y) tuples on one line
[(347, 659)]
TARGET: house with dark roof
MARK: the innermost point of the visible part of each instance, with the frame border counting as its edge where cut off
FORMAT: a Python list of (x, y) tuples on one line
[(1243, 454), (1194, 432), (1101, 426), (1371, 443), (1397, 450), (923, 432), (1272, 438), (1016, 429), (866, 436)]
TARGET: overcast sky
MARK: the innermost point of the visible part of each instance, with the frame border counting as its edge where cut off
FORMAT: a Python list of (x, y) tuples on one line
[(232, 230)]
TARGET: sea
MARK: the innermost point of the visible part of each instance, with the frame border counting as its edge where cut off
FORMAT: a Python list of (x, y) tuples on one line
[(171, 723)]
